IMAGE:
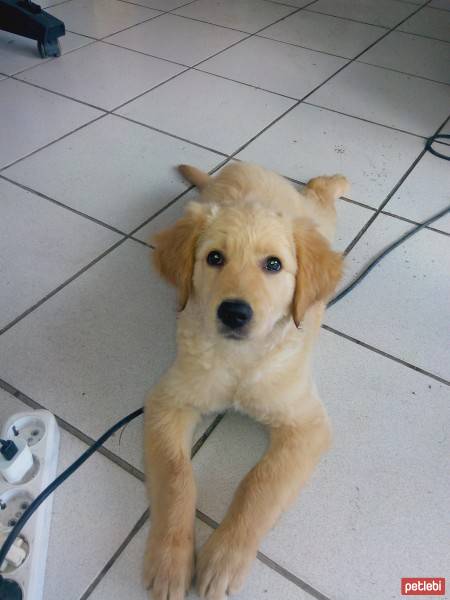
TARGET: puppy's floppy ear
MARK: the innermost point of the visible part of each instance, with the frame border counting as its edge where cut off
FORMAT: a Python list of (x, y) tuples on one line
[(174, 253), (318, 268)]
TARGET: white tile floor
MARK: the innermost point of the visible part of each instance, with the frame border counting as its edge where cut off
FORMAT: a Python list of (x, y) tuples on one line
[(87, 148)]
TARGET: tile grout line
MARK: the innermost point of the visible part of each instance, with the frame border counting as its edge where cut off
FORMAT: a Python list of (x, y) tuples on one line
[(282, 4), (256, 34), (325, 52), (62, 205), (424, 36), (50, 59), (53, 5), (193, 67), (411, 222), (385, 354), (268, 562), (258, 87), (172, 135), (250, 85), (344, 114), (306, 587), (83, 102), (62, 137), (108, 112), (109, 564), (384, 203), (409, 74), (75, 211), (106, 41), (317, 87), (369, 222), (197, 20), (205, 435), (427, 37), (160, 14), (113, 111), (129, 236), (373, 209), (250, 35), (231, 156), (385, 27), (171, 202), (77, 433), (88, 440), (295, 11), (101, 39), (168, 60), (165, 12), (317, 12), (382, 28), (438, 8), (62, 285)]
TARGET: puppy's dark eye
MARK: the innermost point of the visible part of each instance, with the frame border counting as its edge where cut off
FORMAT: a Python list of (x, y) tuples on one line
[(272, 263), (215, 258)]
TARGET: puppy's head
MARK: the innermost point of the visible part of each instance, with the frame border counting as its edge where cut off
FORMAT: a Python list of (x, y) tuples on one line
[(245, 267)]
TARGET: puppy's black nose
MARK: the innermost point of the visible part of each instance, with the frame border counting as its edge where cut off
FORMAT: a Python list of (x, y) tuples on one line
[(234, 313)]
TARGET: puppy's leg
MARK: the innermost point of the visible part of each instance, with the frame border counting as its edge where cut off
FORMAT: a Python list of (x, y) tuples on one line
[(169, 557), (196, 176), (264, 493)]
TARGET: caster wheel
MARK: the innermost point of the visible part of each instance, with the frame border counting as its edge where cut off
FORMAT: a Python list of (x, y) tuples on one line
[(47, 49)]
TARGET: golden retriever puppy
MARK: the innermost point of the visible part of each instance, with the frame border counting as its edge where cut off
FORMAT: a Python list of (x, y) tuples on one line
[(252, 263)]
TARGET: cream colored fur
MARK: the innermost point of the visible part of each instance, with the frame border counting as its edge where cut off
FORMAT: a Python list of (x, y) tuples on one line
[(247, 213)]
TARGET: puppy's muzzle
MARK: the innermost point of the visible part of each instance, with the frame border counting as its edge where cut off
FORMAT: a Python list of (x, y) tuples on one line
[(234, 314)]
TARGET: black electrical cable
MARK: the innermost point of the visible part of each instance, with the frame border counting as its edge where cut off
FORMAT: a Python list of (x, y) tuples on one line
[(15, 531), (436, 138), (384, 253), (403, 238)]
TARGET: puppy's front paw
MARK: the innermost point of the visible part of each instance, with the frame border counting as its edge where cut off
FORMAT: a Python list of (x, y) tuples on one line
[(222, 566), (168, 567)]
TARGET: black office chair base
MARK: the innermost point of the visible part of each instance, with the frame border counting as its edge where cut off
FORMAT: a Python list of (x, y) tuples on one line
[(26, 18)]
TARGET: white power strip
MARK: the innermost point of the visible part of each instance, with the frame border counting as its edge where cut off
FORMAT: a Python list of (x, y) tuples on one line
[(38, 429)]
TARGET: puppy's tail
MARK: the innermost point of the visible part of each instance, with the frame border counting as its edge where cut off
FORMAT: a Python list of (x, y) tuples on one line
[(328, 189), (194, 175)]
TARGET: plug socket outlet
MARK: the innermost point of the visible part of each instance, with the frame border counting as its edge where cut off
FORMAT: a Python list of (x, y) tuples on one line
[(16, 469), (39, 431)]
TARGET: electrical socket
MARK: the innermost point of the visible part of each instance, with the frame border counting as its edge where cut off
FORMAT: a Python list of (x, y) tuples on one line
[(39, 430), (13, 504)]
